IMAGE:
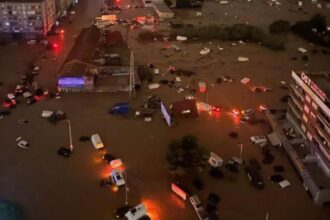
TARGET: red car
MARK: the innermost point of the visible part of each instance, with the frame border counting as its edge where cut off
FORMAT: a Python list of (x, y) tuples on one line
[(9, 103)]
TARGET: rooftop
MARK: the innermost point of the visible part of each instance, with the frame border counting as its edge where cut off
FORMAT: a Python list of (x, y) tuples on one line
[(97, 50), (322, 80)]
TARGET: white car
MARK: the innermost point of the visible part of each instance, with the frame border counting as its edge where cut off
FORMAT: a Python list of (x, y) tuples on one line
[(117, 177), (137, 212), (46, 113), (22, 143), (245, 119), (259, 139), (11, 96)]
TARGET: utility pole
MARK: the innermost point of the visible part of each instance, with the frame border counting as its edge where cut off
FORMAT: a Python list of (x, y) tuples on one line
[(131, 77), (70, 134)]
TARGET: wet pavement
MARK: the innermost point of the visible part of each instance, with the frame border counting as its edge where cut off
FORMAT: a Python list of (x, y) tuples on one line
[(51, 187)]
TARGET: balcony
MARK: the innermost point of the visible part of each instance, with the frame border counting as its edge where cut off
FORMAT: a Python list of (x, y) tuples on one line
[(322, 133), (325, 152), (298, 92), (322, 118), (296, 103)]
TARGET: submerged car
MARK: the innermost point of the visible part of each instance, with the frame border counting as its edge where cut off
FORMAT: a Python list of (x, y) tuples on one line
[(120, 212), (255, 177), (117, 177)]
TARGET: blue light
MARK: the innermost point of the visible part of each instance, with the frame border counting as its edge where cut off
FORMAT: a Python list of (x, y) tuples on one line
[(71, 82)]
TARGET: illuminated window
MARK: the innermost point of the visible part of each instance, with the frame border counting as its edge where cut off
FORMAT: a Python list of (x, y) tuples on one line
[(306, 108), (308, 99), (303, 128), (314, 105), (309, 136), (305, 118), (312, 115)]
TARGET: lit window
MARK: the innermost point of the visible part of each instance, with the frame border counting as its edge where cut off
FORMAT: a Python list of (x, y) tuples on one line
[(309, 136), (312, 115), (314, 105), (303, 128), (306, 108), (308, 99), (305, 118)]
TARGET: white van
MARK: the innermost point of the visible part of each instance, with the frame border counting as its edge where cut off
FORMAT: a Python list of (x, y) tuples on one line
[(137, 212), (215, 160), (97, 142)]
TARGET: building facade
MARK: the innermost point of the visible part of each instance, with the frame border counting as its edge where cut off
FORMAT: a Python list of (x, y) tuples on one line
[(26, 18), (61, 6), (309, 110)]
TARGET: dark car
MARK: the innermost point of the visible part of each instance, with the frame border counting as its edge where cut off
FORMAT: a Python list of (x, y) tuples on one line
[(276, 178), (213, 198), (120, 212), (30, 100), (84, 138), (212, 216), (269, 158), (255, 177), (108, 157), (9, 103), (64, 152), (145, 218), (255, 164), (216, 173), (57, 116), (198, 184), (232, 167), (106, 182), (4, 112)]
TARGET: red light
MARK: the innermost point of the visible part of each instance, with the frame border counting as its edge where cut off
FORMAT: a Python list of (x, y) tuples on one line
[(6, 104), (216, 109), (262, 108), (55, 45), (61, 31), (117, 0)]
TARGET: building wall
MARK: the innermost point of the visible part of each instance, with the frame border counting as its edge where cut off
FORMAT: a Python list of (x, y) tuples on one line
[(313, 115), (27, 17), (62, 6)]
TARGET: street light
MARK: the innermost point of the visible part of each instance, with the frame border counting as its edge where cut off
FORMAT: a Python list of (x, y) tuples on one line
[(70, 134), (241, 150), (126, 188)]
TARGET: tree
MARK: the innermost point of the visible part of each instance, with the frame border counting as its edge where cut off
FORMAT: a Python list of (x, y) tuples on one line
[(185, 152), (279, 26)]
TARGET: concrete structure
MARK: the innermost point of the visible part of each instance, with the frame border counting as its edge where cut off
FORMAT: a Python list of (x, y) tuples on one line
[(98, 62), (150, 3), (163, 11), (309, 108), (62, 6), (26, 18), (308, 113)]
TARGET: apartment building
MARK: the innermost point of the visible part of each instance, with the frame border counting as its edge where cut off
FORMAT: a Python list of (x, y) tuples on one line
[(26, 18), (309, 109)]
